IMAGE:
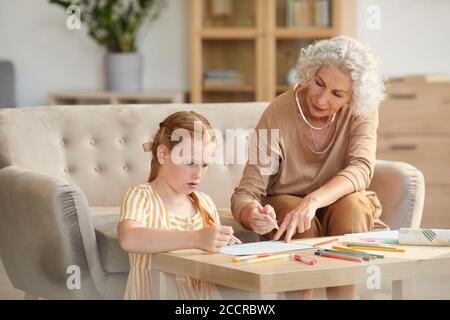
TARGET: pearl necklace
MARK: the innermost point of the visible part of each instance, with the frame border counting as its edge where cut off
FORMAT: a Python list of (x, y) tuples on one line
[(304, 118)]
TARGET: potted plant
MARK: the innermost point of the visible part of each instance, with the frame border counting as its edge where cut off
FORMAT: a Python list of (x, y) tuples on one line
[(114, 24)]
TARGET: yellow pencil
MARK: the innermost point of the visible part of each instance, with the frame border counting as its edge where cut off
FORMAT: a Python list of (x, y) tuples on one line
[(378, 249), (361, 243), (269, 258)]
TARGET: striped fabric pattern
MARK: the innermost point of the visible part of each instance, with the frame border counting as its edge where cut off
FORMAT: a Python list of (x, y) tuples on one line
[(142, 204)]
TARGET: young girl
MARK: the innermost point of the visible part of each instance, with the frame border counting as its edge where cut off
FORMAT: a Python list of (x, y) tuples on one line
[(167, 213)]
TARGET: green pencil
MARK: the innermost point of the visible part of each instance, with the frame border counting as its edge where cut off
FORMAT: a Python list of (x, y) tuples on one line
[(361, 253)]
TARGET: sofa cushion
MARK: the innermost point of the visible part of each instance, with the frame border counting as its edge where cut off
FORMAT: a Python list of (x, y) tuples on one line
[(112, 257)]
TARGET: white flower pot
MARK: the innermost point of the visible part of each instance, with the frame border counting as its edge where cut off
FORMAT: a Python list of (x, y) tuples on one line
[(123, 72)]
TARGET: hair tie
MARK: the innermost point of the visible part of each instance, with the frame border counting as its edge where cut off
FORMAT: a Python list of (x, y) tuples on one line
[(162, 124)]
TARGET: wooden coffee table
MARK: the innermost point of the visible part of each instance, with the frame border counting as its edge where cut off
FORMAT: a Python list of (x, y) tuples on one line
[(266, 280)]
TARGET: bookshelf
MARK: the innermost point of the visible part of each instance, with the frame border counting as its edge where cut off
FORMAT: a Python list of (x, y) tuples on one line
[(104, 97), (242, 50)]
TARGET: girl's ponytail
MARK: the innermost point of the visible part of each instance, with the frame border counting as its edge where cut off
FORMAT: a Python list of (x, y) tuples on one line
[(206, 216)]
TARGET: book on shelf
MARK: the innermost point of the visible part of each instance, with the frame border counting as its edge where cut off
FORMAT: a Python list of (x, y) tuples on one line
[(308, 13), (322, 11), (223, 77)]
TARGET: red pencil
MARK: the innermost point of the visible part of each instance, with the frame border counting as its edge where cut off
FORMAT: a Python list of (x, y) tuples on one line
[(336, 256), (325, 242)]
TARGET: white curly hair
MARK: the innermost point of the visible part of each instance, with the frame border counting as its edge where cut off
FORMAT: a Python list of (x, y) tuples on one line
[(347, 55)]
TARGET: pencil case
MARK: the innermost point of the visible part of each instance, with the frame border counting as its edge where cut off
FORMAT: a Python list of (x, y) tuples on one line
[(424, 237)]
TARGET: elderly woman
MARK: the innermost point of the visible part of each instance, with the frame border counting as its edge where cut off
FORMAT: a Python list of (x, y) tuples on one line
[(325, 152)]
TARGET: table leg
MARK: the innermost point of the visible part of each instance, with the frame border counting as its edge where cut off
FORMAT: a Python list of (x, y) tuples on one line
[(403, 289), (164, 285)]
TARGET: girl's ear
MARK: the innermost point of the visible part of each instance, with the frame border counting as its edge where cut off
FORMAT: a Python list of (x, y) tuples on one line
[(162, 153)]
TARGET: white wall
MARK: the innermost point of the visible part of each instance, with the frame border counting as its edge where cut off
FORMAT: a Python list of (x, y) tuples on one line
[(414, 38), (49, 57)]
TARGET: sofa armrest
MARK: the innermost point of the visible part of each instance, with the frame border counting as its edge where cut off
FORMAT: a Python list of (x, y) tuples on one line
[(401, 190), (45, 227)]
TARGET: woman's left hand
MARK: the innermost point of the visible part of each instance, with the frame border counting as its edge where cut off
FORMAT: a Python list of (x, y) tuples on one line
[(298, 219)]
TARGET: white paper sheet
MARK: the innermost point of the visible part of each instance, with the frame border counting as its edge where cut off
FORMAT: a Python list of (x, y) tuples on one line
[(263, 247)]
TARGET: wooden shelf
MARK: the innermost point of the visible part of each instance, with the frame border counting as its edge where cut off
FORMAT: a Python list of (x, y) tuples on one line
[(306, 33), (228, 88), (106, 97), (228, 33), (253, 40)]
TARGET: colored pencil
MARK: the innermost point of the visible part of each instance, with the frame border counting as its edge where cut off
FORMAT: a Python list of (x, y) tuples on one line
[(368, 246), (305, 260), (352, 250), (254, 256), (274, 222), (337, 256), (269, 258), (363, 256), (361, 243), (325, 242), (211, 223), (378, 249)]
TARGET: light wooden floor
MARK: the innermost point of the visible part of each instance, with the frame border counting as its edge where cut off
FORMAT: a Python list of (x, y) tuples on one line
[(426, 288)]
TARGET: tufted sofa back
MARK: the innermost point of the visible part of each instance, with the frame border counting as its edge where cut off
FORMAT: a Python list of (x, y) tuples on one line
[(99, 148)]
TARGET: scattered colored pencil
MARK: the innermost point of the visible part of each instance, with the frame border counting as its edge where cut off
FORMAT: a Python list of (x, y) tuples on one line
[(337, 256), (367, 246), (378, 249), (365, 257), (254, 256), (358, 251), (305, 260), (361, 243), (325, 242), (269, 258)]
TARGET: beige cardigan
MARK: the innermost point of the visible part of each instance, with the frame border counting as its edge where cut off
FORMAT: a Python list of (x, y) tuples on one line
[(351, 154)]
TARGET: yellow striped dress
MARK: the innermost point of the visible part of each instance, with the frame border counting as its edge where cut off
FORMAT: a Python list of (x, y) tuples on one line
[(142, 204)]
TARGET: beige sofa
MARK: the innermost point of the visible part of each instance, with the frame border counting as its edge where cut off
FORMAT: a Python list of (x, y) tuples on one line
[(64, 170)]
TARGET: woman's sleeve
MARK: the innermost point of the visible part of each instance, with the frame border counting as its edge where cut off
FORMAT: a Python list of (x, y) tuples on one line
[(361, 151), (264, 161), (135, 206)]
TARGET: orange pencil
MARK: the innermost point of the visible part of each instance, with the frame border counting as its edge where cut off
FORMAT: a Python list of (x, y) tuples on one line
[(378, 249)]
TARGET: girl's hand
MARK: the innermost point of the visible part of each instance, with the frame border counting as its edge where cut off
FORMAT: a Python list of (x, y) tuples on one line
[(213, 238), (298, 219), (232, 242), (260, 220)]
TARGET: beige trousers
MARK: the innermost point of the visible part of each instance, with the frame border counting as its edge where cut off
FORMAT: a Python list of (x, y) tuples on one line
[(350, 214)]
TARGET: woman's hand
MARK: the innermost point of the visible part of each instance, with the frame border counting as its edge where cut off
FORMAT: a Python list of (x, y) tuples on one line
[(213, 238), (263, 219), (298, 219)]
